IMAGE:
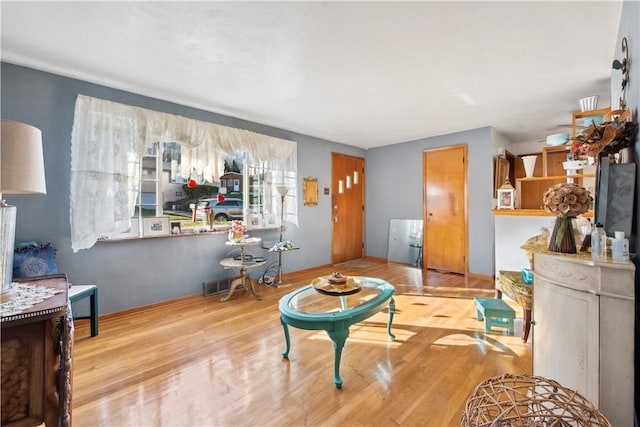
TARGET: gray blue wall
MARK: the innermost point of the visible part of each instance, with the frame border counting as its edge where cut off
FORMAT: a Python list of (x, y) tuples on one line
[(141, 272), (394, 191)]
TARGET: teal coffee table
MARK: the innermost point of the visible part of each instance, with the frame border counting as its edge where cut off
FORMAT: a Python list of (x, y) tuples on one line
[(313, 309)]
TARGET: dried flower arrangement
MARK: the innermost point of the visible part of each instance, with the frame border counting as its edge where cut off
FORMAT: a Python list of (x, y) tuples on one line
[(612, 135), (566, 201)]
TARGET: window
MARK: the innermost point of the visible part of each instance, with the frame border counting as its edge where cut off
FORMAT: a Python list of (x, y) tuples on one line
[(209, 205), (129, 163)]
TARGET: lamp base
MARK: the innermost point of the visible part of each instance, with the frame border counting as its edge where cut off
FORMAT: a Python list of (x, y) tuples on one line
[(7, 241)]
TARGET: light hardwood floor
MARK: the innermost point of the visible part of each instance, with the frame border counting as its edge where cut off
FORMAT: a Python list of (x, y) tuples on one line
[(196, 361)]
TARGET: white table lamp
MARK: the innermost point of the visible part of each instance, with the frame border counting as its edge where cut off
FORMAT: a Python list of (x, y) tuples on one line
[(21, 172)]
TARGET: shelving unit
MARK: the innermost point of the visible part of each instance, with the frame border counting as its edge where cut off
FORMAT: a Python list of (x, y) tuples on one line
[(552, 158), (514, 226), (584, 114), (549, 171), (529, 190)]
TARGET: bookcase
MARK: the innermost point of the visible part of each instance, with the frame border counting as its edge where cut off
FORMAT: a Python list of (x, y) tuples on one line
[(529, 191)]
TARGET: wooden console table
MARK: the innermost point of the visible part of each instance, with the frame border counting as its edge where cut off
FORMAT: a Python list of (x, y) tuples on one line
[(37, 344)]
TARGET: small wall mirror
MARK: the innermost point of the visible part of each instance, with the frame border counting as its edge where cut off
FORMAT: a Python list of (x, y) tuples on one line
[(310, 191)]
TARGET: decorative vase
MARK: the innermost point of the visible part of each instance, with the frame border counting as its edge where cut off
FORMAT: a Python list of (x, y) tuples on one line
[(562, 238), (234, 237), (529, 165)]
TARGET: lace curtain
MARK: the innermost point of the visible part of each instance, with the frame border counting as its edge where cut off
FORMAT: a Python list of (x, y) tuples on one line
[(107, 140)]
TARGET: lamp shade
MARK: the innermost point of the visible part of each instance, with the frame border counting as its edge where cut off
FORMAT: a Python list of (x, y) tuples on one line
[(21, 159), (282, 189)]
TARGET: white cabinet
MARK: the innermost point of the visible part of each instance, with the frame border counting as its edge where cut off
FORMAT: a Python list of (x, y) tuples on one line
[(583, 333)]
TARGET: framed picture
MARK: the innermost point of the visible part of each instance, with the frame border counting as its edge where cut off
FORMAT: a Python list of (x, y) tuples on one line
[(506, 198), (254, 221), (270, 221), (176, 228), (132, 233), (310, 191), (501, 172), (155, 226)]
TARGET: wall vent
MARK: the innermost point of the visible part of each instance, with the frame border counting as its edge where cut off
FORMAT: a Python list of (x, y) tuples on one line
[(214, 287)]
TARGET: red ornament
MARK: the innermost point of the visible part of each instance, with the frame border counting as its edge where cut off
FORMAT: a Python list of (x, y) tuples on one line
[(192, 183), (220, 197)]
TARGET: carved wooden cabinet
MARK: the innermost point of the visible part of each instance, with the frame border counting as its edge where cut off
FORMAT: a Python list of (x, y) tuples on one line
[(37, 345), (583, 329)]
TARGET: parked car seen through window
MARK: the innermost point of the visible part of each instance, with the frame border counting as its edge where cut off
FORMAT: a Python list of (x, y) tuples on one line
[(224, 210)]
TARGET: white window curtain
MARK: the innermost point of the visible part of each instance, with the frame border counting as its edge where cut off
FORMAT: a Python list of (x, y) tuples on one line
[(281, 173), (107, 140)]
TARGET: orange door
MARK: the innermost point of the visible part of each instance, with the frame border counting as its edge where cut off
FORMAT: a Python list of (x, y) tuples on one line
[(445, 209), (347, 208)]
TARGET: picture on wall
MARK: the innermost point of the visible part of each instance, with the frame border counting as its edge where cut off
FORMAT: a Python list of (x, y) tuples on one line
[(270, 220), (176, 227), (254, 221), (132, 233), (155, 226)]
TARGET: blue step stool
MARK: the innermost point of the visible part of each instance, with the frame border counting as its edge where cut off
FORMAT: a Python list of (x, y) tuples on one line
[(78, 292), (495, 312)]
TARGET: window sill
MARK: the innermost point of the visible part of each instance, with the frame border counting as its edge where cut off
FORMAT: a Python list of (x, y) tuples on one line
[(200, 232)]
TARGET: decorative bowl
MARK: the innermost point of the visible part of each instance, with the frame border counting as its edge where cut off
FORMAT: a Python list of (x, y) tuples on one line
[(557, 139)]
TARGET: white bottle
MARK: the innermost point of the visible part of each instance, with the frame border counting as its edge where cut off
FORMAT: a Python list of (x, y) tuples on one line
[(620, 247), (598, 242)]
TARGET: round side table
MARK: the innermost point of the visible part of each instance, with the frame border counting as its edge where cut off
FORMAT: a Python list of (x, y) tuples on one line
[(242, 265)]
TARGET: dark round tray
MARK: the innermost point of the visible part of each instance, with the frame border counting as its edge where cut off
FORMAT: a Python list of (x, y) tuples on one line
[(336, 293)]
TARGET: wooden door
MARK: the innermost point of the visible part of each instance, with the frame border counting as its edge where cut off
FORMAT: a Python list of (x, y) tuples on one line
[(445, 209), (347, 208)]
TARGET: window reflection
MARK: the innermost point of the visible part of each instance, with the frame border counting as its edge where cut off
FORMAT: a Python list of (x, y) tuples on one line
[(244, 191)]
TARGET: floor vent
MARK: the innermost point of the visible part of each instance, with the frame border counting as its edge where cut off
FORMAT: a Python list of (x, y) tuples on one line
[(214, 287)]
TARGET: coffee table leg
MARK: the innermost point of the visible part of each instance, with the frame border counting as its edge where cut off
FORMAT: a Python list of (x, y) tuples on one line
[(392, 309), (338, 337), (285, 353)]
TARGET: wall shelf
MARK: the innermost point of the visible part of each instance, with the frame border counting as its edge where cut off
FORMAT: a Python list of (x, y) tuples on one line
[(529, 190), (584, 114), (546, 178), (530, 212)]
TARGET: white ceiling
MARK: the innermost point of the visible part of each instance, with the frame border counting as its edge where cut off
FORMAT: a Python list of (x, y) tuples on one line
[(362, 73)]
